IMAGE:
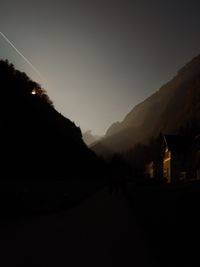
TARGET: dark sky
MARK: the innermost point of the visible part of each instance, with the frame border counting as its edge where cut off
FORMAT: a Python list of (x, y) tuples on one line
[(100, 58)]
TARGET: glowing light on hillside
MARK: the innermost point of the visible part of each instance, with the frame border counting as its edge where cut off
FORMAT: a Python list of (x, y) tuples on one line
[(33, 92)]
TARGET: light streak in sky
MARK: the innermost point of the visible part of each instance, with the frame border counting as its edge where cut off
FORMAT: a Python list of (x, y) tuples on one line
[(27, 61)]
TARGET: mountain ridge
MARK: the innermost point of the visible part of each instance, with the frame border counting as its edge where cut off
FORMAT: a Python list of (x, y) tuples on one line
[(166, 110)]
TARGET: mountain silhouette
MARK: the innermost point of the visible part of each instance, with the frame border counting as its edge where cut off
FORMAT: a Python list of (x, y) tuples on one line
[(89, 138), (37, 142), (172, 107)]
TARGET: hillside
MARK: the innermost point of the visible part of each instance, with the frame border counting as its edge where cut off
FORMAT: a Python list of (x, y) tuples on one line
[(171, 107), (37, 142)]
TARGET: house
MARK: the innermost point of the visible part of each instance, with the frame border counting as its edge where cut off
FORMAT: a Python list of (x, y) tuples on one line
[(179, 159), (176, 158)]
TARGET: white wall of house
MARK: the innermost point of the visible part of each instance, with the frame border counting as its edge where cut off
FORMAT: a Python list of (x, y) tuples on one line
[(167, 165)]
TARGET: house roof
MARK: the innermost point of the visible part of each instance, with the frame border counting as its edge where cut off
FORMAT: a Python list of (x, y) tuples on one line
[(177, 143)]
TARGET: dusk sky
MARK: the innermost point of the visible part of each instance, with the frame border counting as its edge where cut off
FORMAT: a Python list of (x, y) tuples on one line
[(98, 59)]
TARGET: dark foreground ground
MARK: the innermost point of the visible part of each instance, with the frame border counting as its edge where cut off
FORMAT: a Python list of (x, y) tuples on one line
[(169, 217), (101, 231), (150, 226)]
